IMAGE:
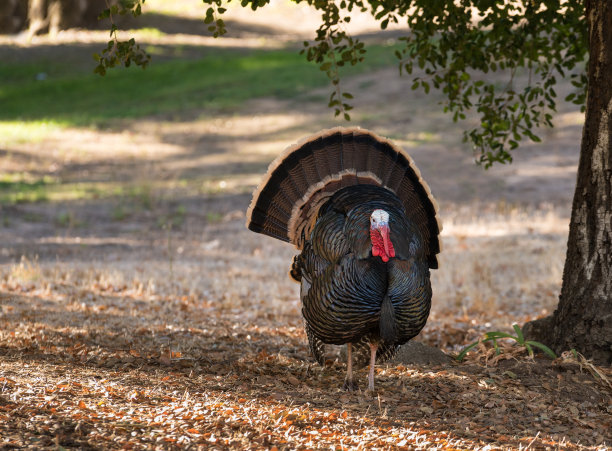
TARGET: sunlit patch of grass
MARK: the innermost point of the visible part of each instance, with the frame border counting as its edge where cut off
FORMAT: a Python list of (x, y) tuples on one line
[(20, 188), (147, 32), (31, 131), (27, 270), (17, 188), (173, 8), (157, 50)]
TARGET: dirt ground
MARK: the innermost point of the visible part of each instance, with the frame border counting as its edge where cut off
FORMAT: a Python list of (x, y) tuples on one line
[(155, 320)]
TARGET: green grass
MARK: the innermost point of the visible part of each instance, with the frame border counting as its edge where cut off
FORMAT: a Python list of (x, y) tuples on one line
[(71, 96), (23, 187), (32, 106), (26, 132), (19, 188)]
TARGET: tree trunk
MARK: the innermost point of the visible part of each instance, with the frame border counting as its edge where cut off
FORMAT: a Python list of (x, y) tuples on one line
[(7, 19), (37, 17), (55, 16), (583, 319)]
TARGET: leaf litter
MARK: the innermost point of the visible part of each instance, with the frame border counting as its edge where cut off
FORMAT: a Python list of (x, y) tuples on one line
[(83, 375)]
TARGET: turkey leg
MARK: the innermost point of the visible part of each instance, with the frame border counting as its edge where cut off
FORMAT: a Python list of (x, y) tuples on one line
[(349, 382), (373, 349)]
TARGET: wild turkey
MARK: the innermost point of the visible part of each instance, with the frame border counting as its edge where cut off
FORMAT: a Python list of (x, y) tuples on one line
[(367, 227)]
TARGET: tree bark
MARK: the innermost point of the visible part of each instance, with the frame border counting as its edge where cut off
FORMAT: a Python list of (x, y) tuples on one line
[(7, 19), (37, 17), (583, 318), (55, 16)]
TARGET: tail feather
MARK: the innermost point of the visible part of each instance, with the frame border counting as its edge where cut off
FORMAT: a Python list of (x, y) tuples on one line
[(348, 150), (333, 151), (362, 152), (320, 153), (396, 175), (387, 162), (376, 158), (307, 174), (297, 171), (264, 221)]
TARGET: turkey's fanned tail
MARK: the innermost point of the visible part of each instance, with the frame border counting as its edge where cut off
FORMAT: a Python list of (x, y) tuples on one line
[(307, 174)]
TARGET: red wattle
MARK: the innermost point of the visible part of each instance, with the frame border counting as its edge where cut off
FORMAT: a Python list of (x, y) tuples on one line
[(381, 244), (384, 233)]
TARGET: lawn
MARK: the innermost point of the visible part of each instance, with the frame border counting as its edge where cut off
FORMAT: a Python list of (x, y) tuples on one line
[(52, 91)]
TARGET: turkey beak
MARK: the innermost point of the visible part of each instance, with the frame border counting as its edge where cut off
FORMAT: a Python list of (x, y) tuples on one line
[(384, 232)]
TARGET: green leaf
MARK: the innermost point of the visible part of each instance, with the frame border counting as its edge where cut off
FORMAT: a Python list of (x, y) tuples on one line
[(99, 69), (519, 333), (465, 350), (498, 334), (104, 14), (549, 352)]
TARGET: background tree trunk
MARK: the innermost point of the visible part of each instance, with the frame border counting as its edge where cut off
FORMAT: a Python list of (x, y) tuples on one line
[(583, 319), (55, 16), (7, 21), (13, 16), (37, 17)]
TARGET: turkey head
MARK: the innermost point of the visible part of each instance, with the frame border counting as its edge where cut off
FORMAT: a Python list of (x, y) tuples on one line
[(380, 235)]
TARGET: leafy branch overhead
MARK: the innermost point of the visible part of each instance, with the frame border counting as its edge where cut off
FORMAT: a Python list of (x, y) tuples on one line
[(119, 52), (531, 42)]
